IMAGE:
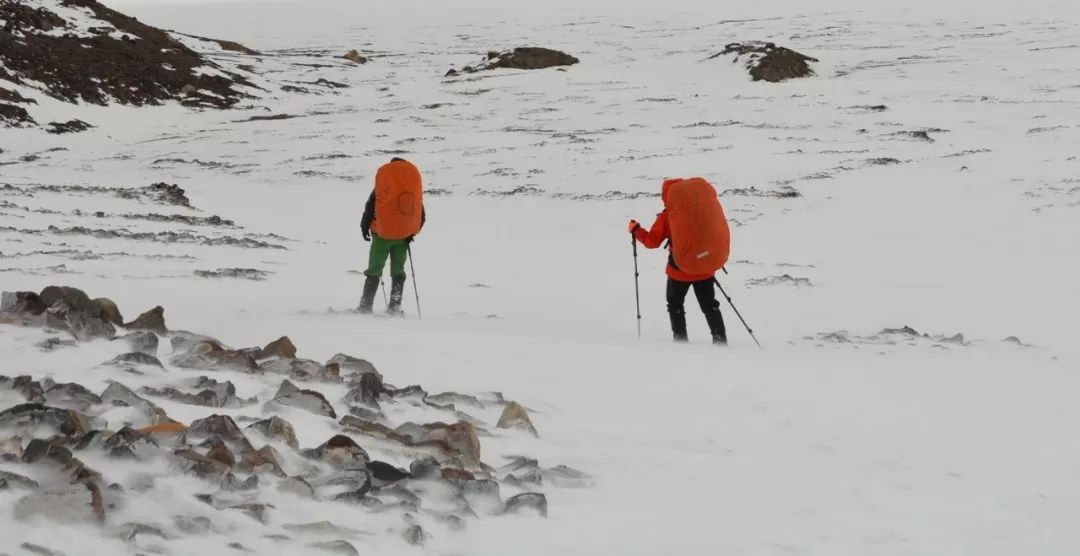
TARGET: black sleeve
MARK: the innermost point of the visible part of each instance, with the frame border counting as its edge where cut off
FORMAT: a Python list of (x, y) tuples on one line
[(369, 214)]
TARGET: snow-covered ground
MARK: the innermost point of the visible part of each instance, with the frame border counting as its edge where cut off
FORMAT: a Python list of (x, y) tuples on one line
[(835, 439)]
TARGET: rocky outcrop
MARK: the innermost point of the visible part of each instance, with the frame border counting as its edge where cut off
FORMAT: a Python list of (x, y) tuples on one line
[(308, 400), (522, 58), (150, 321), (767, 62), (82, 51)]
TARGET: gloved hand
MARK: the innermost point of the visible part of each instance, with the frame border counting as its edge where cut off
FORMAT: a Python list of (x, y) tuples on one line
[(366, 234), (410, 239), (633, 226)]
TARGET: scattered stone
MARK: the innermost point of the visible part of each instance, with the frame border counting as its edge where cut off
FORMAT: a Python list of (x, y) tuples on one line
[(193, 525), (340, 451), (336, 547), (533, 501), (15, 480), (40, 550), (456, 475), (22, 303), (453, 398), (298, 486), (135, 359), (152, 321), (71, 126), (385, 473), (209, 355), (785, 280), (70, 396), (119, 395), (29, 415), (366, 390), (354, 56), (282, 347), (74, 503), (252, 274), (308, 400), (424, 468), (276, 427), (514, 416), (354, 365), (223, 427), (767, 62), (142, 342), (30, 389), (414, 535), (131, 531)]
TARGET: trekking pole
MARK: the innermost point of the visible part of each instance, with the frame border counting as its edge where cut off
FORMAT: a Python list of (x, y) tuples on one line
[(637, 291), (726, 296), (412, 269), (382, 286)]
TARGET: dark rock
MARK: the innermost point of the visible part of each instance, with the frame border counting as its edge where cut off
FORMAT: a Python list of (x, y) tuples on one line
[(30, 389), (75, 298), (109, 310), (366, 414), (151, 321), (130, 532), (385, 473), (142, 342), (206, 468), (22, 303), (63, 421), (282, 347), (768, 62), (357, 366), (70, 396), (220, 452), (17, 481), (366, 390), (276, 427), (135, 359), (425, 468), (15, 116), (397, 492), (459, 439), (482, 494), (453, 398), (223, 427), (529, 501), (118, 394), (308, 400), (182, 342), (341, 452), (524, 58), (353, 479), (456, 476), (130, 444), (414, 535), (70, 126)]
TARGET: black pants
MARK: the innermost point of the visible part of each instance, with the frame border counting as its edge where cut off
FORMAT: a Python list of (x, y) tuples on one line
[(706, 296)]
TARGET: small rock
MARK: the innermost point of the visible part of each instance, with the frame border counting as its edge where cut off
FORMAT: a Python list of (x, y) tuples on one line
[(483, 495), (276, 427), (456, 475), (23, 303), (514, 416), (767, 62), (308, 400), (29, 415), (70, 396), (354, 56), (120, 395), (384, 473), (69, 504), (282, 347), (16, 480), (109, 310), (193, 525), (210, 355), (336, 547), (152, 321), (142, 342), (425, 468), (366, 390), (352, 364), (135, 359), (341, 452), (414, 535), (298, 486), (533, 501)]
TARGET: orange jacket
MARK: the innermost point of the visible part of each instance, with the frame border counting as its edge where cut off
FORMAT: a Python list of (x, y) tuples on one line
[(654, 237)]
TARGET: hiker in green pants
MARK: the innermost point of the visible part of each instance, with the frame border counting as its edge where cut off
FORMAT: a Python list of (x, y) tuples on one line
[(394, 214)]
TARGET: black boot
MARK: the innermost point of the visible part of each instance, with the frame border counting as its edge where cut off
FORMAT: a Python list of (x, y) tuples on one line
[(397, 289), (716, 326), (371, 285), (678, 324)]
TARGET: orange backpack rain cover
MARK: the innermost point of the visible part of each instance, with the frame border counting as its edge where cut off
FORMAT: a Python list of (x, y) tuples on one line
[(398, 200), (700, 238)]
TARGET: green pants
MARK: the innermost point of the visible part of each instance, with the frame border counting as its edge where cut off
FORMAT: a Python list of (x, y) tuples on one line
[(396, 249)]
